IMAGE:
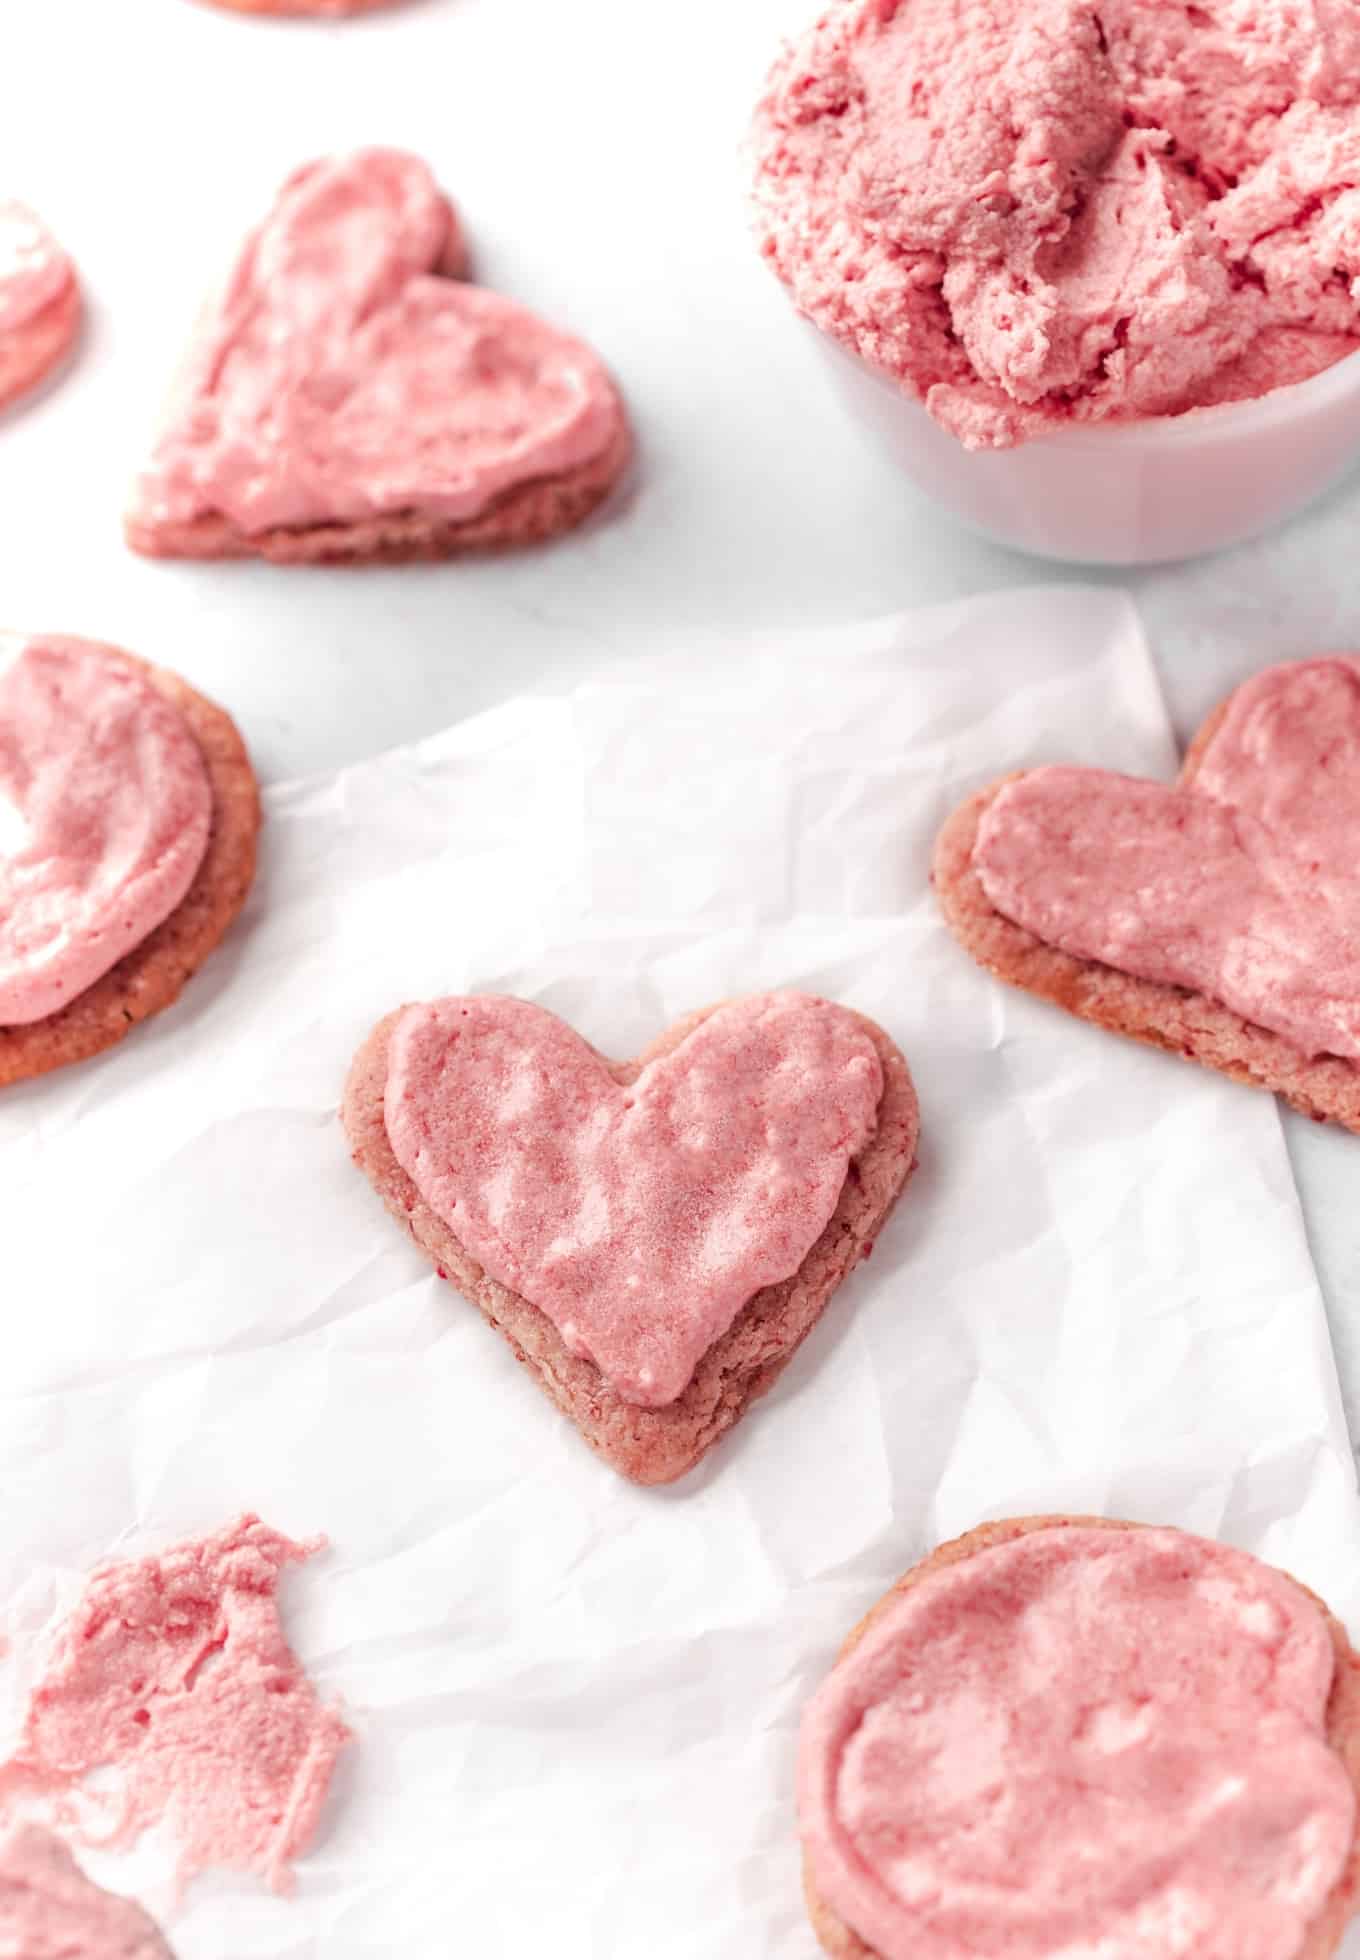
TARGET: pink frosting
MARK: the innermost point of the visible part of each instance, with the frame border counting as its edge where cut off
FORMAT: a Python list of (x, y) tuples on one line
[(174, 1673), (1082, 1743), (105, 810), (339, 379), (640, 1220), (34, 271), (49, 1910), (1053, 211), (1242, 886)]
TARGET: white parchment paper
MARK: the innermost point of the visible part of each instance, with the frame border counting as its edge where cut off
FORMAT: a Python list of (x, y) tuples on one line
[(576, 1701)]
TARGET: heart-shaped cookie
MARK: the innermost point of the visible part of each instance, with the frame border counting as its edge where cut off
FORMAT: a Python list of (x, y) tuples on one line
[(1219, 918), (128, 819), (40, 304), (655, 1237), (350, 398)]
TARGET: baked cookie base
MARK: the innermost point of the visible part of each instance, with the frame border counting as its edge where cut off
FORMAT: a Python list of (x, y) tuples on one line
[(654, 1446), (1174, 1018), (530, 513), (1343, 1732), (153, 974), (29, 353)]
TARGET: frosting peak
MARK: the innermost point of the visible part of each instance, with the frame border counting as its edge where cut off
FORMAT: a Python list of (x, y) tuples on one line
[(1046, 211)]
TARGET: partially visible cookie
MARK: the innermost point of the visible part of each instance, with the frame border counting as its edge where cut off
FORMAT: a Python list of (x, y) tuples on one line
[(1289, 736), (314, 9), (413, 415), (1305, 1646), (172, 1687), (49, 1909), (40, 303), (657, 1441), (152, 974)]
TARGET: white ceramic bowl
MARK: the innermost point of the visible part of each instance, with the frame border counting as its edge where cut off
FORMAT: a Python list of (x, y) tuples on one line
[(1127, 493)]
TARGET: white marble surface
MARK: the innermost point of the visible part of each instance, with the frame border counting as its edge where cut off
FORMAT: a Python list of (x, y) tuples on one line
[(594, 150)]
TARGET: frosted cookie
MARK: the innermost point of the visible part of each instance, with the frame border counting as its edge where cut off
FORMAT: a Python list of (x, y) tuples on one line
[(654, 1237), (49, 1910), (174, 1679), (1071, 1736), (128, 820), (350, 398), (1219, 919), (40, 305)]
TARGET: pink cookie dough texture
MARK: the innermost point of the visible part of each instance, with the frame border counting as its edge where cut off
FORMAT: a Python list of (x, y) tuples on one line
[(350, 395), (40, 305), (173, 1673), (49, 1910), (1076, 1738), (640, 1217), (105, 812), (1055, 211)]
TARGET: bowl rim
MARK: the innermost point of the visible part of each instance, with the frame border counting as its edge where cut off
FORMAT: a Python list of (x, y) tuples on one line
[(1241, 418), (1256, 412)]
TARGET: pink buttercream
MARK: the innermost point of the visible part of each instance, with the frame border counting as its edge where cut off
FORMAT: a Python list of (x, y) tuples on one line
[(1242, 886), (49, 1910), (34, 271), (1053, 211), (640, 1220), (1084, 1742), (339, 378), (105, 810), (174, 1673)]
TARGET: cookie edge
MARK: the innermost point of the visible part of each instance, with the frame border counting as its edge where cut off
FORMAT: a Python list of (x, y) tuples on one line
[(655, 1446), (529, 513)]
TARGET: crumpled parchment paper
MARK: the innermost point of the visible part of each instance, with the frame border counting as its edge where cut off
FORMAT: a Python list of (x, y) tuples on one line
[(576, 1701)]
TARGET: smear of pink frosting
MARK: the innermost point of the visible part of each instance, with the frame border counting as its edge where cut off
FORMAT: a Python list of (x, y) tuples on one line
[(640, 1220), (339, 378), (49, 1910), (174, 1673), (34, 271), (1242, 886), (1082, 1742), (105, 811), (1051, 211)]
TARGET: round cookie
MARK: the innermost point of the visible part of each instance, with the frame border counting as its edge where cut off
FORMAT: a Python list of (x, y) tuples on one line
[(1342, 1728), (154, 973)]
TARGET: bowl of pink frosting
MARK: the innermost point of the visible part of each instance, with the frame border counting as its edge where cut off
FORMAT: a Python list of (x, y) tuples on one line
[(1090, 272)]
